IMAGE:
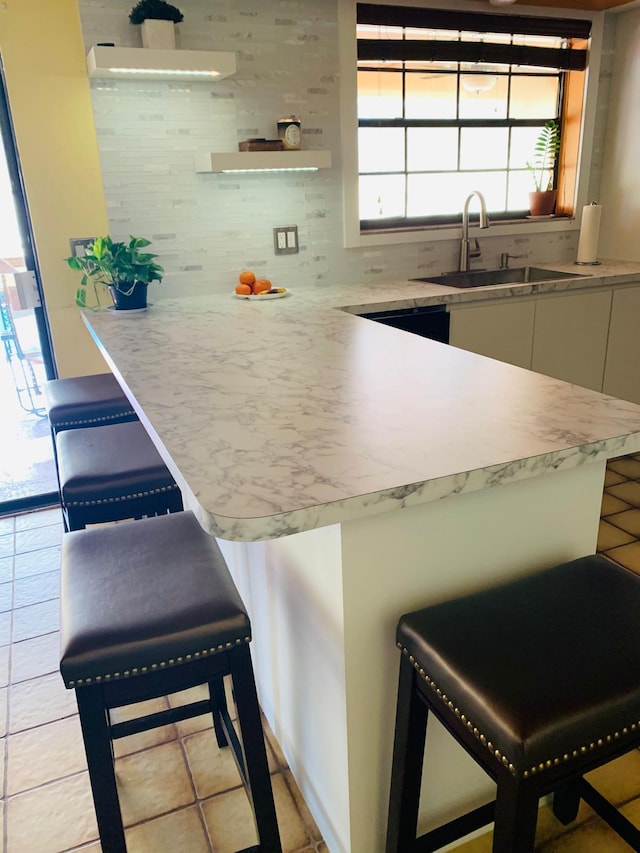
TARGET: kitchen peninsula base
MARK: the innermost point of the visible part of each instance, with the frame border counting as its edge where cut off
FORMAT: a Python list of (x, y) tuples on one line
[(324, 605)]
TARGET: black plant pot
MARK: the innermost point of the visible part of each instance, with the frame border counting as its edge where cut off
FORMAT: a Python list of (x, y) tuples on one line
[(130, 301)]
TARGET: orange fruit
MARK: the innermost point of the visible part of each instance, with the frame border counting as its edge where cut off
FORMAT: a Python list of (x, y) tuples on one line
[(261, 284), (247, 277), (243, 289)]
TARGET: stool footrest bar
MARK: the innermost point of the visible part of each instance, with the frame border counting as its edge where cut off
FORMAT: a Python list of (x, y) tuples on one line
[(160, 718), (616, 820), (455, 829)]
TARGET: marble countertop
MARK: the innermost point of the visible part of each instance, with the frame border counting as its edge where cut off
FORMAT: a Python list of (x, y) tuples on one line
[(286, 415)]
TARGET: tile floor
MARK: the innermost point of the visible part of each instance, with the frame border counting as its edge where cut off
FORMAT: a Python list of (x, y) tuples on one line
[(179, 793)]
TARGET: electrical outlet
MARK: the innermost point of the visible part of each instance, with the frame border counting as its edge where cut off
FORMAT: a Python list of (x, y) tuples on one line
[(285, 240), (78, 245)]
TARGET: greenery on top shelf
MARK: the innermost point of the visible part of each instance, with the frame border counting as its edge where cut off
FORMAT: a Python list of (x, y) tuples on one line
[(157, 10)]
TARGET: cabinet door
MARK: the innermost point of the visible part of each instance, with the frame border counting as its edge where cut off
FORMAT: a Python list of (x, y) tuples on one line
[(622, 369), (500, 330), (570, 337)]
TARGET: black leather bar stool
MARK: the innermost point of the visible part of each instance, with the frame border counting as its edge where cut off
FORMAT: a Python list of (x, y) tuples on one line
[(85, 401), (110, 473), (539, 681), (149, 609)]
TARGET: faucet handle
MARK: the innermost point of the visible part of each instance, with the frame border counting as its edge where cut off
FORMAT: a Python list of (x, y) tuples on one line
[(504, 259), (476, 252)]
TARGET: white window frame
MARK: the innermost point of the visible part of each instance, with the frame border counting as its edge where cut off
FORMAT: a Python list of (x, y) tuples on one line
[(353, 237)]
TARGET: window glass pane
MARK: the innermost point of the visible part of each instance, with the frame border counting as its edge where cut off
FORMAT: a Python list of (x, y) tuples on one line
[(534, 97), (483, 147), (381, 149), (492, 185), (483, 96), (377, 31), (430, 96), (379, 94), (432, 149), (417, 34), (381, 196), (435, 195), (520, 185), (523, 140)]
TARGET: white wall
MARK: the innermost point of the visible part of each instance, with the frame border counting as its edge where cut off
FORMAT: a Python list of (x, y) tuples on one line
[(620, 174), (207, 227)]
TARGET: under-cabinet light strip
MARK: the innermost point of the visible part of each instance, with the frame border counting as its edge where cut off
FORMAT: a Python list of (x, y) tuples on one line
[(281, 169), (175, 71)]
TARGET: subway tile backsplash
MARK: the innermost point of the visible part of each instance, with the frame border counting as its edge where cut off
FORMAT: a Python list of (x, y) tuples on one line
[(206, 228)]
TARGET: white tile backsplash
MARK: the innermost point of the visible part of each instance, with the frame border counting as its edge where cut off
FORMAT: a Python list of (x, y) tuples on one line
[(206, 228)]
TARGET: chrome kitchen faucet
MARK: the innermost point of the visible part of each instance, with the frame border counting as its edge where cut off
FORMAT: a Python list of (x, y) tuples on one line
[(465, 252)]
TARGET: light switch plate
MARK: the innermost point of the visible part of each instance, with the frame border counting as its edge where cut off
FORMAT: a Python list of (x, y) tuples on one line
[(285, 240)]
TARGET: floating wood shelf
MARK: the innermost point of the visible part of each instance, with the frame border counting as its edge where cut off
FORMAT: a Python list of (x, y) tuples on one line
[(141, 62), (263, 161)]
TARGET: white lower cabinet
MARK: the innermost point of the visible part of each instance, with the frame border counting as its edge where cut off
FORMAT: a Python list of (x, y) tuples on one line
[(622, 369), (501, 330), (570, 337)]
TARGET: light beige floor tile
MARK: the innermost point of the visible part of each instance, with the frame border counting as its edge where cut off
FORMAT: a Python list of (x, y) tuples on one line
[(611, 504), (213, 770), (5, 628), (628, 467), (6, 596), (610, 536), (41, 518), (627, 555), (628, 492), (179, 832), (6, 569), (38, 537), (594, 836), (3, 710), (4, 665), (619, 780), (35, 620), (40, 755), (611, 478), (198, 694), (7, 542), (280, 758), (153, 782), (144, 740), (33, 658), (37, 588), (230, 823), (301, 807), (37, 562), (38, 701), (53, 818), (629, 520), (7, 525)]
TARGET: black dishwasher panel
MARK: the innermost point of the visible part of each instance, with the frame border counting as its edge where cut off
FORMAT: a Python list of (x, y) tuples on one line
[(431, 321)]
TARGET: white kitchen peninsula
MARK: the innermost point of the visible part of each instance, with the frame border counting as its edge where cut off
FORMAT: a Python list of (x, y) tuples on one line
[(353, 472)]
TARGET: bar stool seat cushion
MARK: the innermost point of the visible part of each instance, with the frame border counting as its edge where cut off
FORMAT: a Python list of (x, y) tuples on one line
[(125, 617), (537, 679), (109, 463), (85, 401)]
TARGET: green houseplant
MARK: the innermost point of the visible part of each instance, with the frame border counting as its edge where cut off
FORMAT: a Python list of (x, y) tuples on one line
[(158, 19), (545, 152), (157, 10), (122, 267)]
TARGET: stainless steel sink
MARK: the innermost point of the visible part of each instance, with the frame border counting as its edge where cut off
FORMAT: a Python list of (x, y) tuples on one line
[(485, 278)]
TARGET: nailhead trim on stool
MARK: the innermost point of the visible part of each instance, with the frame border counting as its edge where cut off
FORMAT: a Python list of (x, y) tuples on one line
[(539, 680), (150, 609), (83, 401)]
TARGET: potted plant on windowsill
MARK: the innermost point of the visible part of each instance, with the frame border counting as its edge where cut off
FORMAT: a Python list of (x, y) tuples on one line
[(542, 201), (157, 19), (123, 267)]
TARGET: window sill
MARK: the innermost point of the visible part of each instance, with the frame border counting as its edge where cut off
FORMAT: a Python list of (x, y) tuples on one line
[(437, 233)]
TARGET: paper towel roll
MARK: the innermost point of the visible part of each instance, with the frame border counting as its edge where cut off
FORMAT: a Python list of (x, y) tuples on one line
[(589, 232)]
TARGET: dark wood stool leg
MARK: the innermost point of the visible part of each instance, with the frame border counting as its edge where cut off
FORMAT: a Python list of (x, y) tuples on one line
[(218, 701), (408, 757), (516, 816), (255, 754), (97, 744), (566, 802)]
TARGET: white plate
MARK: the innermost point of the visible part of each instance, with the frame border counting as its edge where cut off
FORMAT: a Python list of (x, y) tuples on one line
[(129, 310), (261, 297)]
